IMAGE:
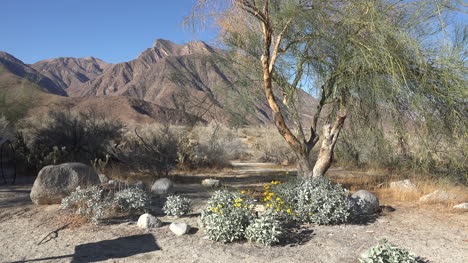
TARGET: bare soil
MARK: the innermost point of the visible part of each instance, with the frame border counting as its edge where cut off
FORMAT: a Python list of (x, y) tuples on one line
[(436, 233)]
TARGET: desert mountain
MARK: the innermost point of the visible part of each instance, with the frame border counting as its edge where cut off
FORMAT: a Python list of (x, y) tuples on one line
[(171, 79)]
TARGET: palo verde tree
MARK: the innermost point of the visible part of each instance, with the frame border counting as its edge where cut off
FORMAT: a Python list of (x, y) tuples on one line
[(373, 58)]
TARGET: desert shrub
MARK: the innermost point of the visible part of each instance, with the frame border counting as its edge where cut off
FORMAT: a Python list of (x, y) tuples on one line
[(89, 202), (177, 206), (385, 252), (132, 199), (211, 146), (65, 137), (309, 200), (227, 216), (6, 129), (271, 147), (153, 150), (265, 230)]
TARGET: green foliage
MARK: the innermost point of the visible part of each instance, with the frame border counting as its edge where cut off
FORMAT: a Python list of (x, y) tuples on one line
[(177, 206), (227, 216), (388, 253), (313, 200), (264, 230), (132, 199), (89, 202)]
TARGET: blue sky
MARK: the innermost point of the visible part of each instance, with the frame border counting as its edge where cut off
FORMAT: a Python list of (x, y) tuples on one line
[(112, 30)]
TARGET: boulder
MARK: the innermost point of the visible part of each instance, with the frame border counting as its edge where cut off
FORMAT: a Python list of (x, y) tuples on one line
[(162, 186), (438, 196), (404, 186), (461, 206), (103, 178), (211, 183), (54, 182), (148, 221), (179, 228), (365, 203)]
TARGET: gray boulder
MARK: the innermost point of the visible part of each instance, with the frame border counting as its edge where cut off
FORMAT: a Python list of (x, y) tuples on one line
[(404, 186), (54, 182), (211, 183), (179, 228), (438, 196), (139, 185), (148, 221), (365, 203), (162, 186), (103, 178), (461, 206)]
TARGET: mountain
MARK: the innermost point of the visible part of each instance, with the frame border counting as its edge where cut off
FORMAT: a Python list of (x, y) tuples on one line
[(191, 79)]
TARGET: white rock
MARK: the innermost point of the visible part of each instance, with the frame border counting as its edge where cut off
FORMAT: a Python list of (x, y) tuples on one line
[(211, 183), (461, 206), (148, 221), (103, 178), (404, 186), (365, 202), (179, 228), (162, 186), (438, 196)]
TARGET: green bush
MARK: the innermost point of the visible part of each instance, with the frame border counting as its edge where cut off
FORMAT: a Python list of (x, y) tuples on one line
[(265, 230), (311, 200), (227, 216), (177, 206), (132, 199), (89, 202), (388, 253)]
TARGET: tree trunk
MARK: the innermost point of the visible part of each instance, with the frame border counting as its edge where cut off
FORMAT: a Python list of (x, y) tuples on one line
[(304, 165), (330, 136)]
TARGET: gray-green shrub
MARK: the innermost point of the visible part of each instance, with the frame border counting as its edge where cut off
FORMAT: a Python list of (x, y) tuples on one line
[(265, 230), (385, 252), (177, 205), (89, 202), (227, 216), (132, 199)]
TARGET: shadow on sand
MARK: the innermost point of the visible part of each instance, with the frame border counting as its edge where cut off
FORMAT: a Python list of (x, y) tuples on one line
[(107, 249)]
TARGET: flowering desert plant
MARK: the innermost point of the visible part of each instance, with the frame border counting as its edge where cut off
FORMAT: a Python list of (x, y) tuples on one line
[(265, 230), (227, 216), (387, 253), (177, 206)]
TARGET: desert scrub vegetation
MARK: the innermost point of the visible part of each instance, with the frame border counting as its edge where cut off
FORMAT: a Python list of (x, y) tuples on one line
[(176, 205), (94, 203), (388, 253), (65, 136), (231, 216), (269, 146)]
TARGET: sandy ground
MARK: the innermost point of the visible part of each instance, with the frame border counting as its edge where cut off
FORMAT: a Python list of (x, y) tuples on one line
[(425, 231)]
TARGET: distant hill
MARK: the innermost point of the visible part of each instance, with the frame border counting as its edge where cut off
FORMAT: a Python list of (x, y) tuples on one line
[(186, 80)]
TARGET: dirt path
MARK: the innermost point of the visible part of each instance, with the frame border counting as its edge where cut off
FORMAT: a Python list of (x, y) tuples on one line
[(438, 237)]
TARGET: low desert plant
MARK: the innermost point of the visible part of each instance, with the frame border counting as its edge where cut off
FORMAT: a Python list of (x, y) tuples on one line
[(271, 147), (385, 252), (132, 199), (227, 216), (177, 206), (265, 230), (89, 202), (311, 200)]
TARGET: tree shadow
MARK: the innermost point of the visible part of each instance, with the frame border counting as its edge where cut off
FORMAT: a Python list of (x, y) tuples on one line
[(107, 249), (296, 236)]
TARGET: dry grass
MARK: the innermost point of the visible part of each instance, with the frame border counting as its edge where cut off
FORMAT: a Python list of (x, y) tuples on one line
[(379, 185)]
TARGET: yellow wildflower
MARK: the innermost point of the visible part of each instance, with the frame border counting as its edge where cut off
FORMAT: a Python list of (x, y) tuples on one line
[(309, 214), (278, 198), (242, 192), (222, 212), (220, 205)]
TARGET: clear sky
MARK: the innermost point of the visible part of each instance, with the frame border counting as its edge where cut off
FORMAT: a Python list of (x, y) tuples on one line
[(112, 30)]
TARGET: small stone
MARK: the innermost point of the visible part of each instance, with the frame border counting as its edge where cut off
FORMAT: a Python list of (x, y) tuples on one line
[(139, 185), (162, 186), (461, 206), (438, 196), (365, 203), (103, 178), (211, 183), (179, 228), (148, 221), (404, 186)]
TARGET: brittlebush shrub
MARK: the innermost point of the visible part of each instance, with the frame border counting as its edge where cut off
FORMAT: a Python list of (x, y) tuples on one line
[(385, 252)]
